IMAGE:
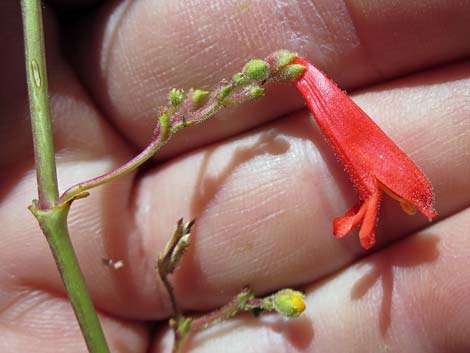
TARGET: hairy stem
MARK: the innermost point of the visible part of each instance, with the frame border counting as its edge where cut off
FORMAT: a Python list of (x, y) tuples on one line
[(193, 109), (129, 166), (159, 138), (229, 310), (171, 293), (52, 217)]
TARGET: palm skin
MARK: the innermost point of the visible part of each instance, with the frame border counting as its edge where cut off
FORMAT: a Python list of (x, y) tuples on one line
[(260, 180)]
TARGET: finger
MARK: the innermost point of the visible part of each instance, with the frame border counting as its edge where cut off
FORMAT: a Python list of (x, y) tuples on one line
[(141, 49), (264, 201), (86, 146), (74, 5), (73, 130), (411, 297), (37, 321), (14, 125)]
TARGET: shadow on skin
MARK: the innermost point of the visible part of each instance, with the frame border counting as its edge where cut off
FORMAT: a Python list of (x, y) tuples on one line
[(273, 142), (413, 252), (122, 241), (297, 333), (207, 187)]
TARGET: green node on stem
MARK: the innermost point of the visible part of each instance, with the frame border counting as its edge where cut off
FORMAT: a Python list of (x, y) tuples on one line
[(53, 223), (164, 122), (51, 214)]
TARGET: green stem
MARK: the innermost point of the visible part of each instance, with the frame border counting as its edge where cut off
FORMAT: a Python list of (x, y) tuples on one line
[(52, 218), (236, 305), (74, 191), (53, 223), (39, 103)]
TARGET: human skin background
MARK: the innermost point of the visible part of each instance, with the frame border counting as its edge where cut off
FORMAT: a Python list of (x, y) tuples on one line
[(259, 178)]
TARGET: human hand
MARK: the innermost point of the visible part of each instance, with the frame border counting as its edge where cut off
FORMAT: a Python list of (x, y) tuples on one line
[(260, 180)]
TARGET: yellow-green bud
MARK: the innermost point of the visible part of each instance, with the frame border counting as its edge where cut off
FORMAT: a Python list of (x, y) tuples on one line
[(256, 92), (239, 79), (281, 58), (225, 91), (256, 70), (185, 326), (176, 97), (289, 302), (291, 72), (199, 95), (172, 323)]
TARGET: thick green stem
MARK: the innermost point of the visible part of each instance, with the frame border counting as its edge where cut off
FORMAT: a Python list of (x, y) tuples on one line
[(52, 217), (39, 103), (53, 223)]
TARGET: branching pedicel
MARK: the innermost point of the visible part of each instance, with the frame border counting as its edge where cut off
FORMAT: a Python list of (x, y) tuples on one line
[(374, 163), (287, 302), (196, 106)]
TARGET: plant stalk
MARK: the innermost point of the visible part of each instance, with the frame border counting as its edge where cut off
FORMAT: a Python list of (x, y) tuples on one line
[(52, 217), (39, 103), (53, 223)]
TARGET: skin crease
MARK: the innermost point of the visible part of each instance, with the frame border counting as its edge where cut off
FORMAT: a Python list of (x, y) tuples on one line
[(265, 192)]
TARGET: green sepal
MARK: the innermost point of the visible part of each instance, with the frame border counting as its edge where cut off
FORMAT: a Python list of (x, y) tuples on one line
[(281, 58), (239, 79), (289, 302), (256, 92), (198, 95), (176, 97), (291, 72), (256, 70), (185, 326), (225, 91)]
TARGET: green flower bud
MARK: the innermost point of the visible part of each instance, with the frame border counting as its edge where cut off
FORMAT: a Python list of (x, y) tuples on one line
[(256, 92), (239, 79), (281, 58), (289, 302), (176, 97), (291, 72), (199, 95), (225, 91), (256, 70), (185, 326), (172, 323)]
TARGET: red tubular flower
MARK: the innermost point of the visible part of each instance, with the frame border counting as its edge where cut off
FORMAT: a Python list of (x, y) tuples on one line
[(373, 161)]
